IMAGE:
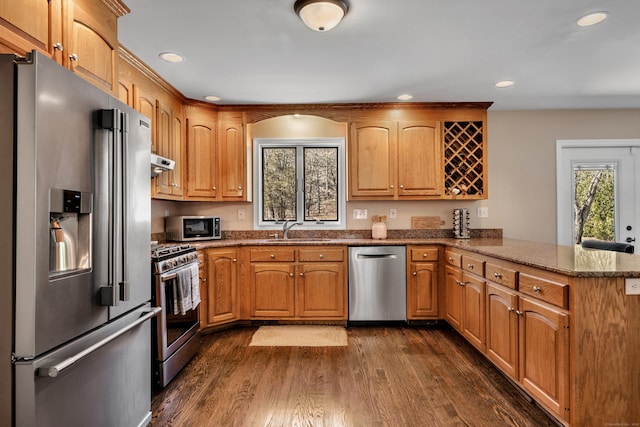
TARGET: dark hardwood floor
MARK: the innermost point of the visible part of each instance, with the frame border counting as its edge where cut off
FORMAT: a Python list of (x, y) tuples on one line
[(386, 376)]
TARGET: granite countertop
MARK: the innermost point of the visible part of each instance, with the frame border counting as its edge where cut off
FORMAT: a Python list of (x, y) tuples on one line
[(565, 260)]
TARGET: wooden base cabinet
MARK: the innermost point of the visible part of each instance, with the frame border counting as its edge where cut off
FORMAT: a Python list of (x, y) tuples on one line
[(298, 283), (473, 312), (502, 329), (422, 282), (454, 294), (222, 287), (544, 355)]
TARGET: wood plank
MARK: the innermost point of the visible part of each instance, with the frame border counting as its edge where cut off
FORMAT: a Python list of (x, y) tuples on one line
[(426, 222)]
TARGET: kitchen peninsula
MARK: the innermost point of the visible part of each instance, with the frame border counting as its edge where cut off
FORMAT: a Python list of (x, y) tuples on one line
[(554, 319)]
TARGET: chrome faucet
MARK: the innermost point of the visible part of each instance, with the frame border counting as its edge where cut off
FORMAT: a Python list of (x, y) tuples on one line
[(288, 225)]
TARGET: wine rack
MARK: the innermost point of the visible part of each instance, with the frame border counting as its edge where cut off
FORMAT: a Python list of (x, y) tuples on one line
[(464, 160)]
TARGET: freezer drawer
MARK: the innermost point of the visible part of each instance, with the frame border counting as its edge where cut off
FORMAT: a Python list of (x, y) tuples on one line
[(377, 283), (109, 387)]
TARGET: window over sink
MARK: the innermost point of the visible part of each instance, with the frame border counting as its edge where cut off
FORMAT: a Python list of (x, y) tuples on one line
[(301, 180)]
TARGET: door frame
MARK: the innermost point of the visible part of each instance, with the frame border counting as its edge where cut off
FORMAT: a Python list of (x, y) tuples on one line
[(563, 187)]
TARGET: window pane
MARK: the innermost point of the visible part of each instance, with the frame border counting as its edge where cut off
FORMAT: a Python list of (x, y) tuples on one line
[(321, 184), (278, 183), (594, 205)]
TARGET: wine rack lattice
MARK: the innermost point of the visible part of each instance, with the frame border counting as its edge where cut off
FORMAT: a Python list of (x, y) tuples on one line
[(464, 159)]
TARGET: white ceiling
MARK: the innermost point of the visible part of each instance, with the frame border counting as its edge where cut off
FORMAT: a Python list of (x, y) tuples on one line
[(259, 51)]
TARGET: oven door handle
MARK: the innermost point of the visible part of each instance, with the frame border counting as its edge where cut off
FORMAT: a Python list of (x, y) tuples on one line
[(173, 274), (54, 371)]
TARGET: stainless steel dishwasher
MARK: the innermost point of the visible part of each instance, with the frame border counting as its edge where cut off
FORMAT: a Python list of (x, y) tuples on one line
[(377, 283)]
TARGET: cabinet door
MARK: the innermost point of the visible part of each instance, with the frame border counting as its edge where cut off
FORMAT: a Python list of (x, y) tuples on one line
[(272, 290), (372, 160), (145, 104), (454, 294), (502, 329), (473, 323), (320, 290), (422, 291), (93, 43), (544, 355), (170, 144), (201, 159), (420, 171), (232, 161), (32, 24), (222, 290)]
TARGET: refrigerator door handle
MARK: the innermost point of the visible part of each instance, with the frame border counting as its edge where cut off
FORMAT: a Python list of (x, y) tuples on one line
[(55, 370), (125, 284)]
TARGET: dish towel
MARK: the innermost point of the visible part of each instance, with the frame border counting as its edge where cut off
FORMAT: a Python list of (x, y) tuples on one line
[(195, 285), (183, 291)]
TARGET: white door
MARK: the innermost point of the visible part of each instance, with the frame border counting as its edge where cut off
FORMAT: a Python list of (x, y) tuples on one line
[(617, 162)]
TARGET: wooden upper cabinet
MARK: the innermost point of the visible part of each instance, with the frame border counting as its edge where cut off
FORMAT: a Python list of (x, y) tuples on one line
[(395, 160), (33, 24), (372, 160), (232, 162), (92, 43), (201, 154), (170, 144), (420, 171)]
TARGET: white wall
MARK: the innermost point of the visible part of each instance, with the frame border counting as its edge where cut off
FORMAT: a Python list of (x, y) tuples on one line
[(521, 176)]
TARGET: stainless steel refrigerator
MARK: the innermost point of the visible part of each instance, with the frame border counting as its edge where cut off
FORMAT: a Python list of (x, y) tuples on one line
[(74, 271)]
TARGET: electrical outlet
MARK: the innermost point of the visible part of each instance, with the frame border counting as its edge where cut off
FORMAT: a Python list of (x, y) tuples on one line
[(632, 286), (240, 213), (483, 212), (359, 214), (393, 213)]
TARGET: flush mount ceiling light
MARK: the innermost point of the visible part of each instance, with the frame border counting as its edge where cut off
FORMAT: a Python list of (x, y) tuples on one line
[(171, 57), (504, 83), (321, 15), (591, 19), (405, 97), (212, 98)]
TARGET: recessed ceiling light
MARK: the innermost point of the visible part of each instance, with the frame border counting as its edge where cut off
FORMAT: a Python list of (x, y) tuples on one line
[(212, 98), (405, 97), (505, 83), (591, 19), (171, 57)]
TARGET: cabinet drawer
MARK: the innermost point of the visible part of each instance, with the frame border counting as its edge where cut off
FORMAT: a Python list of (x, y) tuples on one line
[(274, 254), (320, 254), (424, 254), (501, 275), (545, 290), (453, 258), (473, 265)]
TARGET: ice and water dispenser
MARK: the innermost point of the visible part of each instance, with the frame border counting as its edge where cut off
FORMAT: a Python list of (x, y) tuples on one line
[(69, 231)]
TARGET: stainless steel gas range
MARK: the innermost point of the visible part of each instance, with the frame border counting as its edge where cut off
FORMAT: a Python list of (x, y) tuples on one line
[(175, 288)]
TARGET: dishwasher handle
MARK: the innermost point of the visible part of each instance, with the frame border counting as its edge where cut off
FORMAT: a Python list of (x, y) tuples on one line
[(376, 256)]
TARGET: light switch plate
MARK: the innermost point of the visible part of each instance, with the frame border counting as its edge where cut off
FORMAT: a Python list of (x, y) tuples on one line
[(240, 213), (632, 286), (483, 212), (393, 213)]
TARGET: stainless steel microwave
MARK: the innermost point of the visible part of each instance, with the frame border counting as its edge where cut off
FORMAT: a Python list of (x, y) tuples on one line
[(190, 228)]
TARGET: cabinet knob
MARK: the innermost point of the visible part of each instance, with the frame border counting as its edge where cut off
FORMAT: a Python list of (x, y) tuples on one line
[(301, 274), (537, 289), (73, 57), (235, 260), (391, 186), (214, 188), (459, 283), (173, 184), (424, 255), (204, 279), (511, 309), (272, 256), (519, 313), (321, 255), (58, 46), (415, 273), (240, 187), (470, 266), (450, 258), (401, 186), (290, 274), (497, 275)]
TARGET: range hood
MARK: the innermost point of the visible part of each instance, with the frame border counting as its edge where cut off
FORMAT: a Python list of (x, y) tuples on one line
[(160, 164)]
